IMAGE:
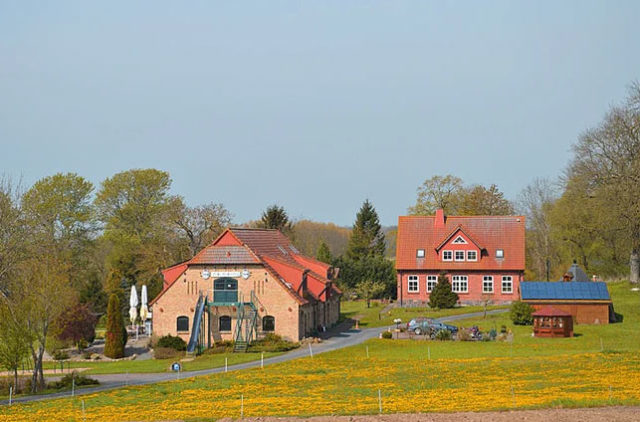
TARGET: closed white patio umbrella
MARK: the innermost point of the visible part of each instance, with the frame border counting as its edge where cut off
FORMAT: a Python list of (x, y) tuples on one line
[(144, 307), (133, 307)]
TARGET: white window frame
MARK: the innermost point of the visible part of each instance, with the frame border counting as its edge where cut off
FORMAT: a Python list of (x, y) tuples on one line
[(458, 281), (444, 257), (455, 255), (509, 282), (420, 253), (457, 239), (499, 253), (431, 279), (413, 279), (475, 257), (487, 279)]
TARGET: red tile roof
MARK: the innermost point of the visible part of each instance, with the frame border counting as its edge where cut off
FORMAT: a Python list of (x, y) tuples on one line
[(270, 248), (171, 274), (550, 311), (214, 254), (491, 232)]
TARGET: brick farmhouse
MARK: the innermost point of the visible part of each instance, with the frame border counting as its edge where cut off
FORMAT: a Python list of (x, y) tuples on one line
[(292, 295), (483, 256)]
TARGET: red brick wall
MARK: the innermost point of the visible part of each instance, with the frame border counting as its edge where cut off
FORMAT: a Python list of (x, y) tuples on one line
[(292, 321), (474, 292), (181, 299)]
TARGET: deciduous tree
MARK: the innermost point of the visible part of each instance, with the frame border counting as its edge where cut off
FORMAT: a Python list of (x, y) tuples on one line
[(438, 192), (608, 158), (200, 225), (137, 212), (369, 289)]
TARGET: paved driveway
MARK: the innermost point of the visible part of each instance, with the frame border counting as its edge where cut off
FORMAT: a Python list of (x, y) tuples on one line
[(349, 337)]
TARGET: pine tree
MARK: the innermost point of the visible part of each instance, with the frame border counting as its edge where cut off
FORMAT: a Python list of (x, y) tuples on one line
[(275, 217), (366, 238), (324, 253), (115, 337), (442, 296)]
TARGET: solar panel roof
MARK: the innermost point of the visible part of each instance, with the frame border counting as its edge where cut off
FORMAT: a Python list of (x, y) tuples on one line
[(573, 290)]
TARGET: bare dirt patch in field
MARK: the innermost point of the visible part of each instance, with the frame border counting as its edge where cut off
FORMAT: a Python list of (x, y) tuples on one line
[(618, 414)]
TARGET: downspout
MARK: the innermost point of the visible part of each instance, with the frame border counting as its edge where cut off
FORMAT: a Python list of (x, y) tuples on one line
[(400, 282)]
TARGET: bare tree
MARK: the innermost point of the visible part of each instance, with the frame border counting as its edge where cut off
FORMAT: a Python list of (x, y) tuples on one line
[(535, 202), (12, 231), (200, 225)]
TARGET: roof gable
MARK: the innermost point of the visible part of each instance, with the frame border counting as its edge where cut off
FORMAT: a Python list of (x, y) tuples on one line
[(489, 233), (458, 239)]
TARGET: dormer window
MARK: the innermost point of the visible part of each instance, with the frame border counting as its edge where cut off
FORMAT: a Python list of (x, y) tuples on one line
[(447, 255), (459, 241), (459, 255), (472, 256), (420, 253), (499, 253)]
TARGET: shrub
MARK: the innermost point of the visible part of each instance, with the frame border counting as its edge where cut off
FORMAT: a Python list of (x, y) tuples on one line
[(443, 335), (442, 297), (60, 355), (225, 346), (68, 380), (272, 343), (115, 337), (171, 342), (520, 313), (387, 334), (77, 325), (166, 353)]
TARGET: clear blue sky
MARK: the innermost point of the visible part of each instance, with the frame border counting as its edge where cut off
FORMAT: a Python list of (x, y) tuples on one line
[(312, 105)]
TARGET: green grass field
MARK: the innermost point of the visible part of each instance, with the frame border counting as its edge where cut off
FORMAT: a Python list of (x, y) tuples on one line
[(411, 375), (204, 361), (374, 317)]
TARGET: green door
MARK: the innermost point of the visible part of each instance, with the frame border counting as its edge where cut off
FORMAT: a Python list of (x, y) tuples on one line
[(225, 290)]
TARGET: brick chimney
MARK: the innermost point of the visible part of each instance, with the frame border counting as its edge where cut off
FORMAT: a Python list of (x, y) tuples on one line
[(439, 222)]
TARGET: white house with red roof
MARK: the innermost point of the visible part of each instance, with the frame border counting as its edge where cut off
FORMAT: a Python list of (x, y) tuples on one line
[(253, 281), (483, 256)]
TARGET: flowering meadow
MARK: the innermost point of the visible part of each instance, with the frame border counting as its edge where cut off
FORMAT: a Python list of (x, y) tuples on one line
[(346, 382), (598, 367)]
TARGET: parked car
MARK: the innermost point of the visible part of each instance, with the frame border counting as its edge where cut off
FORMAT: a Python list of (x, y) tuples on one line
[(417, 321), (429, 326)]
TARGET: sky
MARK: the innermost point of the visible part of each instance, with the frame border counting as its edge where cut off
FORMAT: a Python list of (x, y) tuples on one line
[(315, 106)]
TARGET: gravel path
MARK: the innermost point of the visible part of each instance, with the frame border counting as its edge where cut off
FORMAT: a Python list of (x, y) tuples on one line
[(340, 339), (596, 414)]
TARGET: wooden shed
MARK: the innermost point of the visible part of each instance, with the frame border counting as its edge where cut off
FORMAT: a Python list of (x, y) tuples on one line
[(588, 302), (552, 322)]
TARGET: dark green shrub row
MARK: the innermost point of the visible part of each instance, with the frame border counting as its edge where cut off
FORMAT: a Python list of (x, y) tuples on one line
[(171, 342)]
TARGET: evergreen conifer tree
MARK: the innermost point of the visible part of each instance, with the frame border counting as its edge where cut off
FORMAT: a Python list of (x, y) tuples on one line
[(324, 253), (115, 336), (366, 238), (275, 217), (442, 296)]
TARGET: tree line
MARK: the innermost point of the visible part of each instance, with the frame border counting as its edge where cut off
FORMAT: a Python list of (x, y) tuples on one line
[(64, 248), (590, 213), (65, 244)]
